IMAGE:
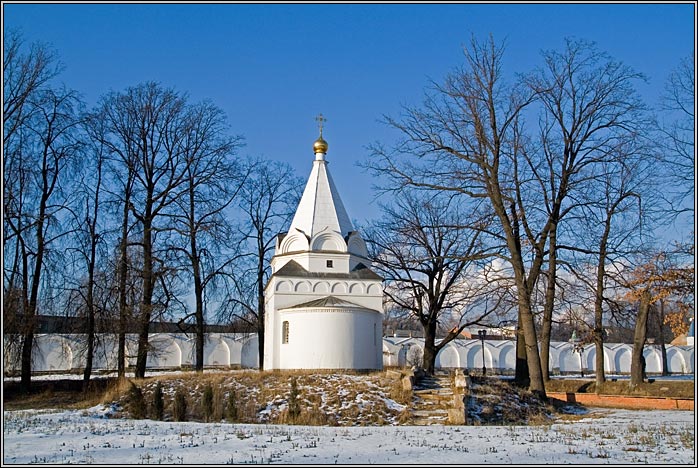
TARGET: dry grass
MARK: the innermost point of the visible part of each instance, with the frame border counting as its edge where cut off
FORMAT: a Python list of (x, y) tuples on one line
[(49, 394), (399, 394), (493, 402), (657, 388), (262, 397)]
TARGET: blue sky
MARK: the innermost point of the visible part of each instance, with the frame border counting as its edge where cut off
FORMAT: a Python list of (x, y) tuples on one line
[(272, 68)]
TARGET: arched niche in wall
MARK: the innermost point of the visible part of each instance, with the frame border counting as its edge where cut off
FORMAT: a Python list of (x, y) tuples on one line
[(448, 358), (163, 351), (216, 352), (339, 288)]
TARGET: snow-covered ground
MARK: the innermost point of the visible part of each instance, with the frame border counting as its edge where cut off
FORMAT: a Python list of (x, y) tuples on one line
[(599, 436)]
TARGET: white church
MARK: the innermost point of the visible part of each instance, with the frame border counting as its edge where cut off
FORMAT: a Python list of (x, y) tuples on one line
[(323, 302)]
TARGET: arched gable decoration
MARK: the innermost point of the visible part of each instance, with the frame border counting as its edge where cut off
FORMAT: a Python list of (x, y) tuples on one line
[(294, 241), (328, 241), (356, 245)]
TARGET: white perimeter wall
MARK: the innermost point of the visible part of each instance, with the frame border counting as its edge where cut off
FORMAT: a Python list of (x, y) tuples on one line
[(54, 352)]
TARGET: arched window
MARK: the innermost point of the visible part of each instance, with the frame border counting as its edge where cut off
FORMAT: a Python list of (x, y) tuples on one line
[(284, 332)]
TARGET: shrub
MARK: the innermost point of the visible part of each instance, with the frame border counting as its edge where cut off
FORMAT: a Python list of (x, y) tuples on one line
[(399, 394), (158, 404), (179, 406), (232, 407), (207, 402), (294, 408), (218, 406), (136, 402)]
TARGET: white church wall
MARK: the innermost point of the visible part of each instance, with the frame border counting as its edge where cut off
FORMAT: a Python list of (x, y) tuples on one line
[(293, 291), (568, 361), (390, 355), (318, 262), (331, 339), (475, 356), (413, 355), (187, 346), (106, 353)]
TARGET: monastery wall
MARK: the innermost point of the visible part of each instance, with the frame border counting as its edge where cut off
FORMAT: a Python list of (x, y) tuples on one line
[(59, 353)]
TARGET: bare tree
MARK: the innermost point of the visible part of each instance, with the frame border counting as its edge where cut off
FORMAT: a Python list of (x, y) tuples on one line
[(24, 75), (211, 183), (610, 223), (146, 124), (589, 109), (427, 249), (39, 171), (467, 139), (267, 202), (90, 232), (678, 135)]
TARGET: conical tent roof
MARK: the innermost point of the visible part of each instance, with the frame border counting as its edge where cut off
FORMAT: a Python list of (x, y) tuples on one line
[(320, 207)]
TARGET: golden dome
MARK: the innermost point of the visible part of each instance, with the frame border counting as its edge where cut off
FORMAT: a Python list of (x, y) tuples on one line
[(320, 145)]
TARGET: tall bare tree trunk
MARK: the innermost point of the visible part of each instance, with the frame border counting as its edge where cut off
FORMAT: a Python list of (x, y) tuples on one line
[(549, 305), (521, 376), (92, 259), (261, 250), (598, 319), (637, 363), (430, 350), (123, 297), (198, 288), (146, 308), (662, 339), (48, 181)]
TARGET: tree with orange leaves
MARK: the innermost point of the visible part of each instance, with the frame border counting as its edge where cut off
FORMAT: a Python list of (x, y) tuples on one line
[(665, 276)]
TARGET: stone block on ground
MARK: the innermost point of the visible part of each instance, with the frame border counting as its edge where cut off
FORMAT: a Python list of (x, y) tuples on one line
[(456, 416), (462, 381), (408, 383)]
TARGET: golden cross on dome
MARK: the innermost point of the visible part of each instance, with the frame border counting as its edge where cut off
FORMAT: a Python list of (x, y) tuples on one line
[(321, 121)]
